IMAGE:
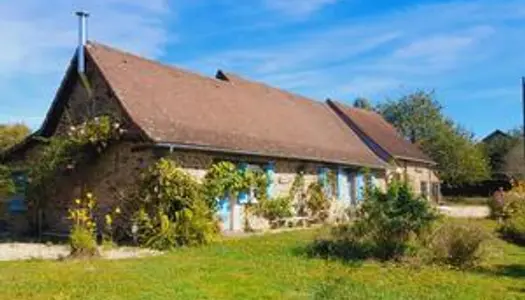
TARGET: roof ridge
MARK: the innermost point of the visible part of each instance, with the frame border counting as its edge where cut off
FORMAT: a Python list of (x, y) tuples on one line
[(154, 62)]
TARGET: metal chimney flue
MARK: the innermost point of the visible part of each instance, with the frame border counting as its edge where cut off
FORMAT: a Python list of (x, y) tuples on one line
[(82, 39)]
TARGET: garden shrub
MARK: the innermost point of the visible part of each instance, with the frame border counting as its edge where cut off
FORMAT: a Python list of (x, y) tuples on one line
[(391, 219), (512, 213), (513, 227), (385, 227), (317, 202), (496, 205), (173, 210), (82, 238), (457, 245)]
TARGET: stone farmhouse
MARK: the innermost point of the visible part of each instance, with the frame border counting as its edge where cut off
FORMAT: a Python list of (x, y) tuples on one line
[(198, 120)]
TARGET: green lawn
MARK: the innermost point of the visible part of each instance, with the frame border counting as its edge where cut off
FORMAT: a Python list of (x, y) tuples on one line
[(262, 267)]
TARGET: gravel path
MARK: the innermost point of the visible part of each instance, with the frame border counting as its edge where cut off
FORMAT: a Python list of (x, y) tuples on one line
[(467, 211), (24, 251)]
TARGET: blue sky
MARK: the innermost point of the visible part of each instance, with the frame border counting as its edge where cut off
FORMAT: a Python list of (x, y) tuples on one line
[(472, 53)]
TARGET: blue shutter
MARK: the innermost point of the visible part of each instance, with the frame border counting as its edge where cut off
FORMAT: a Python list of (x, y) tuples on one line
[(224, 212), (243, 195), (270, 174)]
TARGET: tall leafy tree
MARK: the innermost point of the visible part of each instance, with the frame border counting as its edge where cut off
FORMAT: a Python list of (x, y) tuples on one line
[(363, 103), (419, 118), (12, 134)]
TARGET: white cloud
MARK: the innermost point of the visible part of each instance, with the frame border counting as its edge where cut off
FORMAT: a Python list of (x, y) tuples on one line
[(365, 86), (297, 8), (39, 37), (421, 46)]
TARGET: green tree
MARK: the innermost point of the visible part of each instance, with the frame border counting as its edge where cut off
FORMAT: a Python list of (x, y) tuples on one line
[(12, 134), (363, 103), (498, 148), (419, 118)]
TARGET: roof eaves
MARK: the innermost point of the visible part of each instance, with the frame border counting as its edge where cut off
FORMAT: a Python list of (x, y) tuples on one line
[(261, 154)]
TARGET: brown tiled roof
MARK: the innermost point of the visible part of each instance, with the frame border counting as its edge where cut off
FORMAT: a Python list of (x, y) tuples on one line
[(179, 107), (382, 133)]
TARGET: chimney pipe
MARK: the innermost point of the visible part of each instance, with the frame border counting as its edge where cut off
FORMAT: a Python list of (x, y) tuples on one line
[(82, 38)]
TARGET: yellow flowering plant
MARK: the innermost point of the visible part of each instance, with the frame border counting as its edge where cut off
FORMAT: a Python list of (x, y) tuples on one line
[(82, 237)]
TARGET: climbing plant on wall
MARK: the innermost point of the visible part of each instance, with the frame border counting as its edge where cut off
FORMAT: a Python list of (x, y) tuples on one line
[(66, 152), (225, 178), (7, 186)]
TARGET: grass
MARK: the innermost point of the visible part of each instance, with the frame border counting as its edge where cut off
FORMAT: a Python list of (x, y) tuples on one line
[(263, 267)]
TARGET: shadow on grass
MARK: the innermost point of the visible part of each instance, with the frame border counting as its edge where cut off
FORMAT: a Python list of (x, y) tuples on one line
[(517, 290), (512, 270)]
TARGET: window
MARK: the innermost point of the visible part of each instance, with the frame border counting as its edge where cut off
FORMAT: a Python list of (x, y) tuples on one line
[(424, 189)]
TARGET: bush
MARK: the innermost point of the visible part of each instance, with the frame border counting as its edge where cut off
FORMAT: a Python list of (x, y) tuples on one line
[(513, 227), (157, 232), (384, 229), (195, 226), (273, 209), (82, 242), (393, 218), (317, 202), (496, 204), (82, 238), (458, 245), (174, 212)]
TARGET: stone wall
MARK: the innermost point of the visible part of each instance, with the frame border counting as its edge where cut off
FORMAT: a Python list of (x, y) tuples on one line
[(416, 173), (118, 168)]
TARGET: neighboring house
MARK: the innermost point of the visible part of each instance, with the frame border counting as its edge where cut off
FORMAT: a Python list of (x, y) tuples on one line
[(515, 162), (407, 160), (495, 135), (506, 155)]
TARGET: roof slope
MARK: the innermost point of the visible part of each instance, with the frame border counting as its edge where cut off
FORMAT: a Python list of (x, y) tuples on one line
[(381, 132), (179, 107)]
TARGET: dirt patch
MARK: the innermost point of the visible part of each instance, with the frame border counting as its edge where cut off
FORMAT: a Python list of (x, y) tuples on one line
[(468, 211), (25, 251)]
